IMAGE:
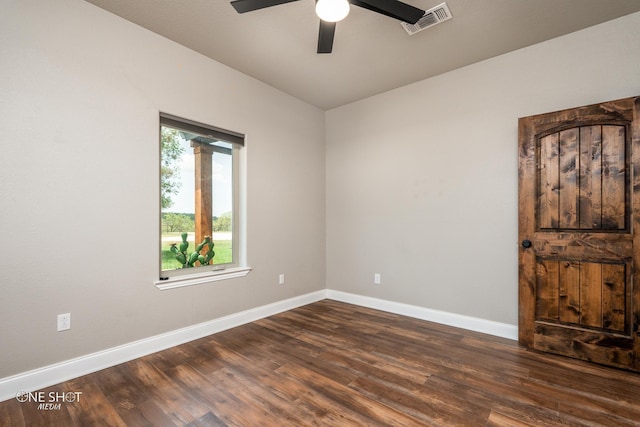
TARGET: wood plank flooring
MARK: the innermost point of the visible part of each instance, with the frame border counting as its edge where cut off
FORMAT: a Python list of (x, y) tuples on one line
[(335, 364)]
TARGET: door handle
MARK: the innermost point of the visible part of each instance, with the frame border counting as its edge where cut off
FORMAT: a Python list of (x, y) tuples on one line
[(526, 243)]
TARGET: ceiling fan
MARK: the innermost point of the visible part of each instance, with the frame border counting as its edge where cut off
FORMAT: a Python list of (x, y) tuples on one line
[(332, 11)]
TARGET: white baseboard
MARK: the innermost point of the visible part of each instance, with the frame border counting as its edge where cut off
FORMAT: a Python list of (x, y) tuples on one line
[(53, 374), (490, 327)]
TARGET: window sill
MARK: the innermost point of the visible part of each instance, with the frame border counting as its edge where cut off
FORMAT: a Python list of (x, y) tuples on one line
[(202, 278)]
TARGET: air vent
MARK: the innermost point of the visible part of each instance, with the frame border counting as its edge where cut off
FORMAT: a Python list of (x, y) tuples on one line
[(431, 17)]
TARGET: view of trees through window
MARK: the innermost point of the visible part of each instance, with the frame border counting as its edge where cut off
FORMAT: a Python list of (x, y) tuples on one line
[(181, 168)]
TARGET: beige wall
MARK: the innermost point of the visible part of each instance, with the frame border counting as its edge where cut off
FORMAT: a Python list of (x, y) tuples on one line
[(422, 180), (80, 94)]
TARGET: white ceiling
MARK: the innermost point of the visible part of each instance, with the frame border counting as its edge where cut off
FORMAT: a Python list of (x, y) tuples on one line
[(371, 52)]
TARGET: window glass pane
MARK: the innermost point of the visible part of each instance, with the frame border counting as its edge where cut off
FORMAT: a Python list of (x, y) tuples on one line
[(223, 207), (185, 158)]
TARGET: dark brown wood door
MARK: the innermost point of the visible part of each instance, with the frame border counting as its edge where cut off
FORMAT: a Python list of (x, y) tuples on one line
[(579, 231)]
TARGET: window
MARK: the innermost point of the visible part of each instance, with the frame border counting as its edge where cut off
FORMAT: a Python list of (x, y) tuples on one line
[(199, 215)]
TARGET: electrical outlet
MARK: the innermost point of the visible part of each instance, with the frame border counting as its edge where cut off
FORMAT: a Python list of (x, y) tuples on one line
[(64, 322), (281, 279), (376, 278)]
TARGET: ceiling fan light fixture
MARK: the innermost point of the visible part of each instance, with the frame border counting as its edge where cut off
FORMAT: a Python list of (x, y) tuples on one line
[(332, 10)]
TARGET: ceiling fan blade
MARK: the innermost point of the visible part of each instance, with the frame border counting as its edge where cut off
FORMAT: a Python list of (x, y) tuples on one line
[(393, 8), (242, 6), (325, 36)]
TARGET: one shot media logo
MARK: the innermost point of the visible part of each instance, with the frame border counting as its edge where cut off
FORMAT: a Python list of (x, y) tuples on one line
[(48, 401)]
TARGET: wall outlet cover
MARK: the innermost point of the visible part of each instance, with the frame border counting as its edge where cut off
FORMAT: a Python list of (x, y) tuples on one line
[(64, 322)]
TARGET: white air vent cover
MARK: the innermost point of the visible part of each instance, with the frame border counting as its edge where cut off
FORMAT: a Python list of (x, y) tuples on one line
[(431, 17)]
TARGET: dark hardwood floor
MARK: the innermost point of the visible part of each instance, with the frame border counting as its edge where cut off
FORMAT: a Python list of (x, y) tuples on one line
[(335, 364)]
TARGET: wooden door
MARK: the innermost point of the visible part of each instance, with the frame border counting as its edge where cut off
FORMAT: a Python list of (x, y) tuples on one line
[(579, 231)]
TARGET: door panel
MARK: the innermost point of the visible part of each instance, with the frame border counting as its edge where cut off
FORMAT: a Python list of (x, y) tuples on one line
[(579, 206), (587, 294), (582, 187)]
